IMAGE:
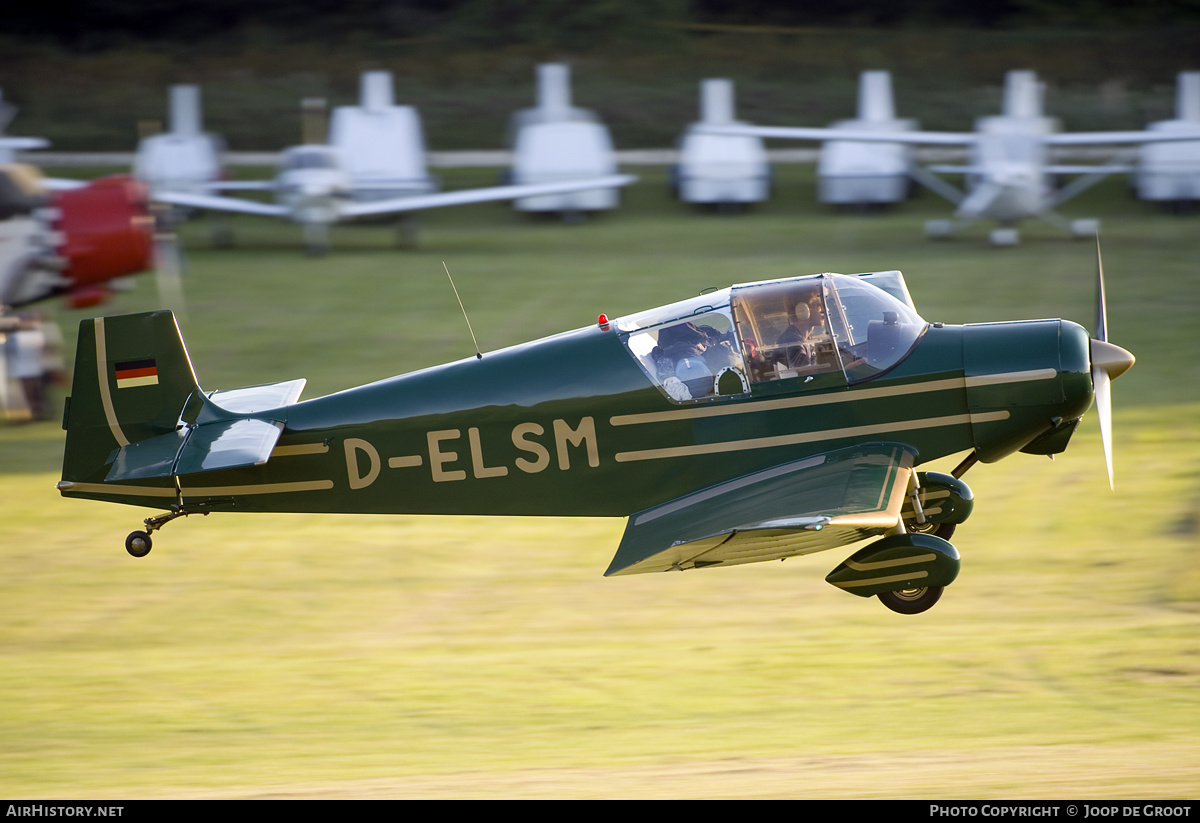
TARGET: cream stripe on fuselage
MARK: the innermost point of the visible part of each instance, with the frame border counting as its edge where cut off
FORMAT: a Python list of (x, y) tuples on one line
[(788, 402), (198, 491), (808, 437), (946, 384)]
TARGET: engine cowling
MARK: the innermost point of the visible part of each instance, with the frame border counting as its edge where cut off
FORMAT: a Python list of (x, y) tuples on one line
[(73, 242), (107, 232)]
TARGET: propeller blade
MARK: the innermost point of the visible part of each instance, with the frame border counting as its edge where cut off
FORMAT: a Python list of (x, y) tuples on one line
[(1109, 362), (1100, 387), (1101, 331), (168, 272)]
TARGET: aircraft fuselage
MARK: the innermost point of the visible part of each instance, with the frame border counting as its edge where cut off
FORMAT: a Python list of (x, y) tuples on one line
[(569, 425)]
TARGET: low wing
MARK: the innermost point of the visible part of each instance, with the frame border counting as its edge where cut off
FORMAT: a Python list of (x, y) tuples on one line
[(795, 508), (214, 202), (456, 198)]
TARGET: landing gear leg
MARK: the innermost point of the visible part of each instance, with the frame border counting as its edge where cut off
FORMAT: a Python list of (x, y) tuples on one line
[(919, 523), (316, 239), (138, 543)]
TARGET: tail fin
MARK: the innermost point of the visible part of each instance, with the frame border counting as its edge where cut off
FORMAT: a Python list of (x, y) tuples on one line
[(133, 379), (137, 413)]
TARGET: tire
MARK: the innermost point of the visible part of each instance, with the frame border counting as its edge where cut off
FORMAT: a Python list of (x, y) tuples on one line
[(138, 544), (942, 530), (912, 601)]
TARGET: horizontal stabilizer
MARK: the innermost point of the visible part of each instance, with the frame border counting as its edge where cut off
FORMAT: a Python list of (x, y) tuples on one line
[(224, 445), (259, 398), (795, 508)]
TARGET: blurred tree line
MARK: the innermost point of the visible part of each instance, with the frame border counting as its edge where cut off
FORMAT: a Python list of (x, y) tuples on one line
[(99, 24), (90, 75)]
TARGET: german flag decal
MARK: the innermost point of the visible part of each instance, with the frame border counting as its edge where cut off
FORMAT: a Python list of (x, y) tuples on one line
[(137, 373)]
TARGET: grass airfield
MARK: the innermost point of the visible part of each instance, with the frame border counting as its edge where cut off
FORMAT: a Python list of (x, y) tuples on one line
[(326, 656)]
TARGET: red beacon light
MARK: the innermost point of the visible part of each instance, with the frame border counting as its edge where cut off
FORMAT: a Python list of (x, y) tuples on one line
[(602, 322)]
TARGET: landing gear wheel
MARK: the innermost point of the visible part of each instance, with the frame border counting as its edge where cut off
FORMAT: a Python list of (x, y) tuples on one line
[(912, 601), (138, 544), (942, 530)]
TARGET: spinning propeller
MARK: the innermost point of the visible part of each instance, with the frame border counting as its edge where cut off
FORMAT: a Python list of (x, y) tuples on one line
[(1109, 362), (168, 263)]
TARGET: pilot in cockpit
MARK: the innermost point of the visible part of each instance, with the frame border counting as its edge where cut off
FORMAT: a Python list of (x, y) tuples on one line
[(796, 339)]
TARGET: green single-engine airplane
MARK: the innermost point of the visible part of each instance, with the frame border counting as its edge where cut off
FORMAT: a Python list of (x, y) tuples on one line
[(766, 420)]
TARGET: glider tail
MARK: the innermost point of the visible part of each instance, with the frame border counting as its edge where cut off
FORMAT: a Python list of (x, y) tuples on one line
[(133, 380)]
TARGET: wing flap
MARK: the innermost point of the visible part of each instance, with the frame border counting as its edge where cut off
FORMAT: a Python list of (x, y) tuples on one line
[(795, 508)]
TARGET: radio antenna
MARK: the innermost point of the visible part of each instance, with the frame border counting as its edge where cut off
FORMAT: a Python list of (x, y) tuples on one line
[(478, 353)]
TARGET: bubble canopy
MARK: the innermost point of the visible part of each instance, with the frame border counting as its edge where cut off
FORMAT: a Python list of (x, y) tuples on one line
[(821, 330)]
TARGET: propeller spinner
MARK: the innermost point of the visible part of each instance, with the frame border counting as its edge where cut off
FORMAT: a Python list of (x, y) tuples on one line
[(1109, 362)]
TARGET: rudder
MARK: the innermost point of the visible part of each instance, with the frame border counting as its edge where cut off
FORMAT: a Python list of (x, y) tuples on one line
[(133, 379)]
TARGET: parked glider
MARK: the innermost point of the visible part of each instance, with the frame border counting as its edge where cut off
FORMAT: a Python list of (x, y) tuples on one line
[(374, 166), (184, 159), (1009, 174), (1170, 172), (313, 189), (764, 421)]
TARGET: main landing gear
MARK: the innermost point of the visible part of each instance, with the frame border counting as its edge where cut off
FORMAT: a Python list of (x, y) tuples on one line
[(911, 601), (138, 543), (909, 570)]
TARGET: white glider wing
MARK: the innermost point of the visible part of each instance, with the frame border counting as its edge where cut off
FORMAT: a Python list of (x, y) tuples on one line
[(457, 198), (944, 138), (1105, 138), (923, 138), (214, 202)]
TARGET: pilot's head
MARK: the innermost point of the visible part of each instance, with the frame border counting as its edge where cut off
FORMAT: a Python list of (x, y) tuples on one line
[(800, 316)]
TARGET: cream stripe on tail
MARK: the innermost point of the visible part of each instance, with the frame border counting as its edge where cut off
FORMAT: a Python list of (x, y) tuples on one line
[(110, 413)]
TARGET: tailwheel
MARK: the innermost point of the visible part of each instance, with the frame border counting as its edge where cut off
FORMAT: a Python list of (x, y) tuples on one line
[(912, 601), (138, 544)]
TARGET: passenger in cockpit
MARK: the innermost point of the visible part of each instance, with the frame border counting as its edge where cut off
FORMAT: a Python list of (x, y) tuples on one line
[(684, 340)]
